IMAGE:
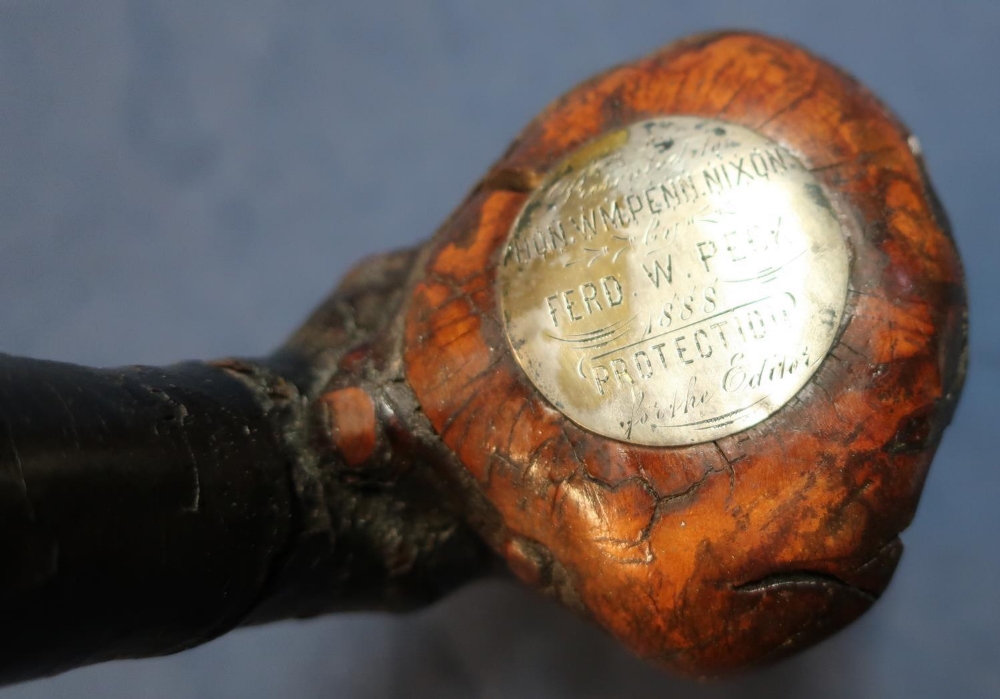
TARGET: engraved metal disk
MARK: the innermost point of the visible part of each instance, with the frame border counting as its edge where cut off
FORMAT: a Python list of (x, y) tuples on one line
[(674, 282)]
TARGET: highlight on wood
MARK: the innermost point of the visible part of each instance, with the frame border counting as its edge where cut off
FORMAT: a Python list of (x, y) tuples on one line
[(680, 361)]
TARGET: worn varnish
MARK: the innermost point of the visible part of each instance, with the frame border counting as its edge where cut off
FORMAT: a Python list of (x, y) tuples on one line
[(710, 557), (393, 448)]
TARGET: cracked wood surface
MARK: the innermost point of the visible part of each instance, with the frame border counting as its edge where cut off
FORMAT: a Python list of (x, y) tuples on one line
[(392, 448), (713, 556)]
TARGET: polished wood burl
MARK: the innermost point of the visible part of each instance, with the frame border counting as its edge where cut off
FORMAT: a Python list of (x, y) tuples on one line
[(710, 557), (394, 448)]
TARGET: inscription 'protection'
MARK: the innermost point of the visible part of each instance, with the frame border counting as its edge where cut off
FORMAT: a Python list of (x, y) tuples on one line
[(674, 282)]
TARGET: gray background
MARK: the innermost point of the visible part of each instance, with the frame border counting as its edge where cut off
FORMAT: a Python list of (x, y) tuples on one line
[(187, 178)]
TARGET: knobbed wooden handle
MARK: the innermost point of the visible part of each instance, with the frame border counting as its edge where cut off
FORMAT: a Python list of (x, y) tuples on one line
[(710, 557), (408, 451)]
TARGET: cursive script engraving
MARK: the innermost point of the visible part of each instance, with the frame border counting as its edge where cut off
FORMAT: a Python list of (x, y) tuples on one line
[(679, 284)]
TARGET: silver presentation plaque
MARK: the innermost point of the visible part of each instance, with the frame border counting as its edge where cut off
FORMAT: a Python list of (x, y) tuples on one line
[(674, 282)]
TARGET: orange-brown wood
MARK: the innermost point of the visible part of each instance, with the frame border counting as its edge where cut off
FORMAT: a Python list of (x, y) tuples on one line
[(352, 423), (713, 556), (392, 448)]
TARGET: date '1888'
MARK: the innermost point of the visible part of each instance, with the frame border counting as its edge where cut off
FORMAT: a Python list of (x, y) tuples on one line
[(677, 284)]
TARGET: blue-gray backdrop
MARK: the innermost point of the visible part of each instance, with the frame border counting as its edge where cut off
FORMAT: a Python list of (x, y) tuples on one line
[(182, 178)]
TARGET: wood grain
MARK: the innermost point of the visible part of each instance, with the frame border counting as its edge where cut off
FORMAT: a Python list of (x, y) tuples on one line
[(710, 557), (392, 449)]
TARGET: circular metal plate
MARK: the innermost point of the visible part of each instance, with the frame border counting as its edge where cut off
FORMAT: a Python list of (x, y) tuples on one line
[(674, 282)]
